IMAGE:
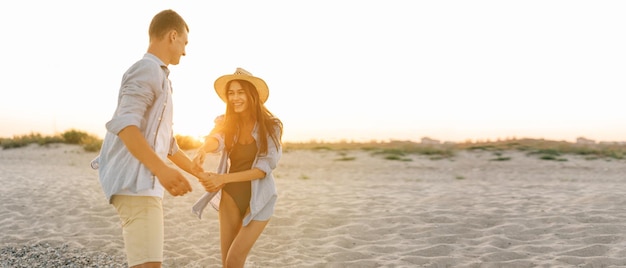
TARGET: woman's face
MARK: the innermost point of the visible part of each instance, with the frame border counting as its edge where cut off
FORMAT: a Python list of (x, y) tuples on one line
[(237, 97)]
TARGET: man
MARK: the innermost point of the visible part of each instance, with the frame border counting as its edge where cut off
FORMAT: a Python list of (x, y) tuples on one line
[(132, 163)]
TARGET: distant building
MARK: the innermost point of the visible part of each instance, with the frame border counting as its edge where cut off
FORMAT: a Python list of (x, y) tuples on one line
[(427, 140), (612, 142), (582, 140)]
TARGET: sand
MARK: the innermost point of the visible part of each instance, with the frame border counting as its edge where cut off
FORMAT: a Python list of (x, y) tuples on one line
[(467, 211)]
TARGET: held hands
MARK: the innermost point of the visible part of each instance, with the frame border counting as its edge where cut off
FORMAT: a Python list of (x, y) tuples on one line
[(174, 182), (196, 168), (211, 182)]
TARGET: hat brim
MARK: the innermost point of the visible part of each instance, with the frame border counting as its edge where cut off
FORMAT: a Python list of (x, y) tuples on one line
[(259, 84)]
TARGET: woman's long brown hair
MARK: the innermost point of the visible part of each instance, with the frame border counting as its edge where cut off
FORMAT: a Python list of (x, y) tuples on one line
[(265, 120)]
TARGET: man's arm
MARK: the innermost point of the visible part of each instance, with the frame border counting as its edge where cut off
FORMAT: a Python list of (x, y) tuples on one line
[(182, 160), (171, 179)]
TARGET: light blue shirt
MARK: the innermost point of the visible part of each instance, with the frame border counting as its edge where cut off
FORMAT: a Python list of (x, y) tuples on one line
[(145, 101), (263, 192)]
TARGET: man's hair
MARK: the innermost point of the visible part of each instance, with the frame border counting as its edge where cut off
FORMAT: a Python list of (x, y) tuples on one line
[(165, 21)]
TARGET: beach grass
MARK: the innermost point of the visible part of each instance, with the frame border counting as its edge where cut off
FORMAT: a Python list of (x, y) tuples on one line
[(90, 143), (391, 150), (544, 149)]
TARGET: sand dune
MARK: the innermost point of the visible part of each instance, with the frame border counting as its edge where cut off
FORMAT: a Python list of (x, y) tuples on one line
[(467, 211)]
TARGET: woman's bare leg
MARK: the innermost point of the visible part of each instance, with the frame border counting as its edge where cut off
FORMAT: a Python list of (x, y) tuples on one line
[(230, 224), (242, 244)]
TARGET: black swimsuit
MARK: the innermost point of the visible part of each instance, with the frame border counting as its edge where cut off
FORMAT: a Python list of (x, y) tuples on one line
[(241, 158)]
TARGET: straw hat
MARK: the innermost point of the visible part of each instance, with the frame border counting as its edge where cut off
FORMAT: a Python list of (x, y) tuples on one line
[(241, 74)]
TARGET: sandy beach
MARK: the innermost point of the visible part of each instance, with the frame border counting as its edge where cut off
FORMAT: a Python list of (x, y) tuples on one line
[(466, 211)]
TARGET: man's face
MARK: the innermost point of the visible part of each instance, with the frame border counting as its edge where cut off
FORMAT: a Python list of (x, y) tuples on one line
[(177, 50)]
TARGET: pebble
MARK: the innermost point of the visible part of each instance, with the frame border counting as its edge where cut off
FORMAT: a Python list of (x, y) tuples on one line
[(46, 255)]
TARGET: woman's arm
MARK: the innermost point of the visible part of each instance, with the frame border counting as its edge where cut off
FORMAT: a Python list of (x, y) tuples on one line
[(211, 144), (246, 175), (217, 181), (264, 164)]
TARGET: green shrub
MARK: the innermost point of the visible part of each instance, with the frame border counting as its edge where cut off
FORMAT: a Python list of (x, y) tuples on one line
[(393, 157), (23, 140), (91, 143), (73, 136), (346, 158)]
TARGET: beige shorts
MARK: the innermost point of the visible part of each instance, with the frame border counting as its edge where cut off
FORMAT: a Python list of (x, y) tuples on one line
[(142, 227)]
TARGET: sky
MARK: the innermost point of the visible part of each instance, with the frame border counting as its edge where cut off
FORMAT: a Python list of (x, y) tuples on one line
[(336, 70)]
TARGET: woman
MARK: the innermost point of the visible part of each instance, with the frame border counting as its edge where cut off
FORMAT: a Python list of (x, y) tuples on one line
[(249, 137)]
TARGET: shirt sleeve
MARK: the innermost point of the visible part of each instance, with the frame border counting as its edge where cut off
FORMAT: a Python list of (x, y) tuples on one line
[(269, 161), (220, 141), (219, 122), (173, 146), (136, 96)]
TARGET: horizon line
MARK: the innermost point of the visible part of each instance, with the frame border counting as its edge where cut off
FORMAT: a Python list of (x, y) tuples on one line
[(424, 139)]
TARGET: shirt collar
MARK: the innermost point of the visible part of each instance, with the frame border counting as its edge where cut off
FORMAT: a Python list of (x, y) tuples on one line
[(159, 61)]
